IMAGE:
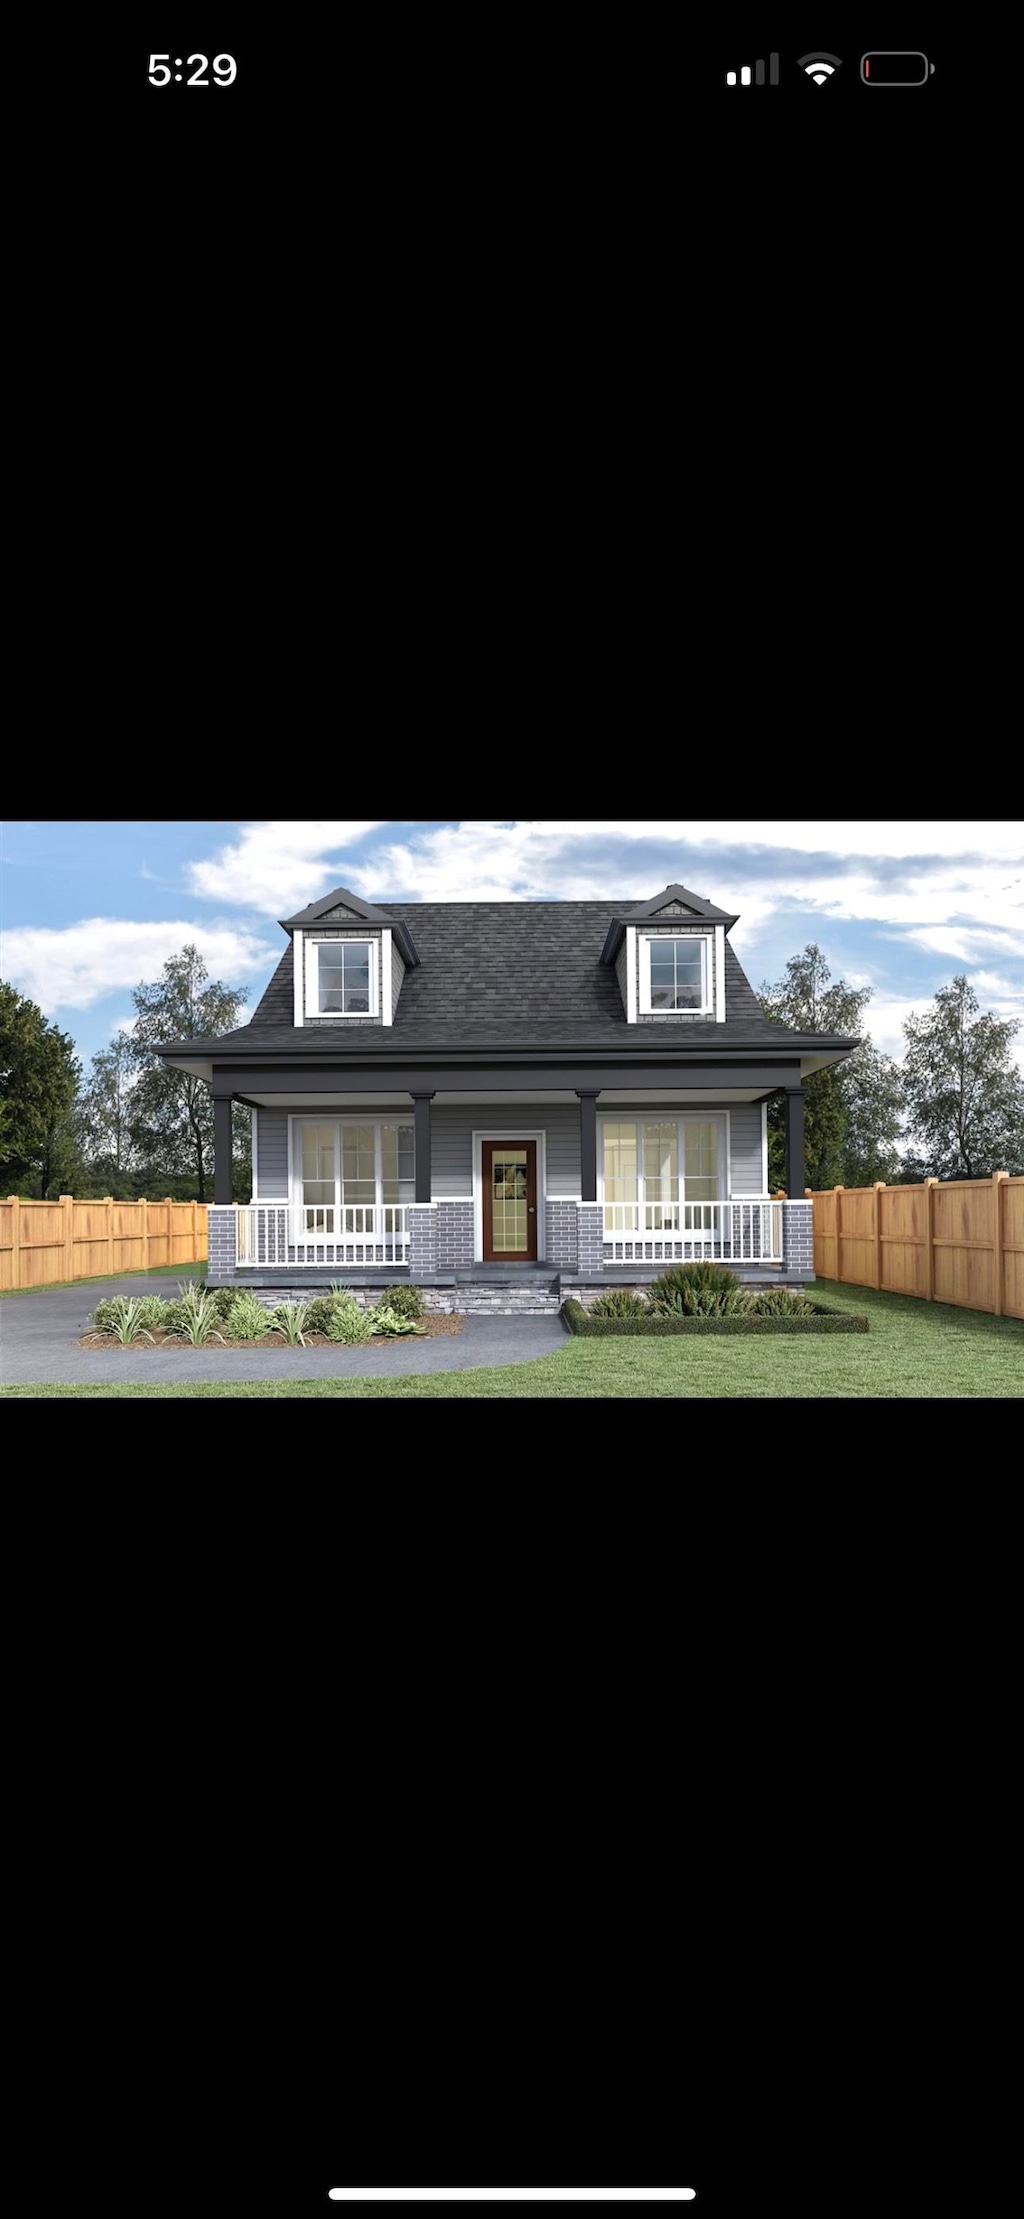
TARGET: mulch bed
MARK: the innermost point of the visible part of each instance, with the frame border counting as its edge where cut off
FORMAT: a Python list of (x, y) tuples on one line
[(432, 1327)]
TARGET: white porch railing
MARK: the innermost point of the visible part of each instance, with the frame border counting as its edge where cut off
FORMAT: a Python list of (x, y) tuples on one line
[(276, 1234), (747, 1231)]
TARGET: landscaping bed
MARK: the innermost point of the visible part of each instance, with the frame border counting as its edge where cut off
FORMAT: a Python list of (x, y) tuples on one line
[(819, 1319), (434, 1323), (226, 1317), (703, 1298)]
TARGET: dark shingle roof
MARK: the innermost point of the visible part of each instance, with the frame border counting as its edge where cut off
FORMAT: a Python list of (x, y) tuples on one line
[(512, 975)]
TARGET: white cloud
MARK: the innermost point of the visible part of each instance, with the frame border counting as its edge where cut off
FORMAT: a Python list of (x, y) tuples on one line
[(79, 964), (280, 866), (966, 942)]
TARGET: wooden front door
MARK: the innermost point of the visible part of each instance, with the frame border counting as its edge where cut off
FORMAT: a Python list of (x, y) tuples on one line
[(510, 1201)]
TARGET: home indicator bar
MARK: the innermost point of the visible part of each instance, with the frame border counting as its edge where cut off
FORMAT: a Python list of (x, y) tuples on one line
[(896, 69), (511, 2195)]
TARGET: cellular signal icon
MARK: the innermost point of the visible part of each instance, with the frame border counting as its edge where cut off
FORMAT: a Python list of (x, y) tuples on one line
[(773, 73), (820, 67)]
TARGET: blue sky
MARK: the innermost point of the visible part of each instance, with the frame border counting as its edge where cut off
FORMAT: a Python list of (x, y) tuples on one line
[(89, 909)]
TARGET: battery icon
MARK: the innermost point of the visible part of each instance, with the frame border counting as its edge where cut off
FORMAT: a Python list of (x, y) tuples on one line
[(896, 69)]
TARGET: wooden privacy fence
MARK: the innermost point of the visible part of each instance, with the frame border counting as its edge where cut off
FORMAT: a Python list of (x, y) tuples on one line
[(41, 1242), (959, 1241)]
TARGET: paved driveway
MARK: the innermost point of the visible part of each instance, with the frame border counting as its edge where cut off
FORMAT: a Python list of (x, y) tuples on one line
[(38, 1334)]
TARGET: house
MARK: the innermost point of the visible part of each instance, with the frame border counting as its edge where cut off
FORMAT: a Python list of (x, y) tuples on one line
[(507, 1099)]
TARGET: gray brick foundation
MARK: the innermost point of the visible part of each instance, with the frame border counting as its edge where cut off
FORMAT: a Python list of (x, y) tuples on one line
[(798, 1237), (590, 1236), (560, 1228), (220, 1239), (454, 1235), (421, 1219)]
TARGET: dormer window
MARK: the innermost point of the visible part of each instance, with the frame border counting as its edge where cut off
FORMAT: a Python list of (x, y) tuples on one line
[(675, 974), (342, 978)]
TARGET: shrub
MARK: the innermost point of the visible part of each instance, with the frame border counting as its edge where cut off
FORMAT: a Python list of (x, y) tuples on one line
[(405, 1301), (196, 1316), (125, 1319), (319, 1311), (385, 1320), (700, 1290), (775, 1302), (619, 1302), (247, 1318), (221, 1298), (289, 1319), (347, 1322), (103, 1314)]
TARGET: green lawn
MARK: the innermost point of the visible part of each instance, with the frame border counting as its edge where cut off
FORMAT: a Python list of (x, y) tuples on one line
[(105, 1279), (912, 1348)]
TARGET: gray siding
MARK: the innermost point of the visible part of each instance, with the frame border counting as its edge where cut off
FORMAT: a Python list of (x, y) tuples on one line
[(397, 974), (452, 1127), (272, 1155), (622, 970)]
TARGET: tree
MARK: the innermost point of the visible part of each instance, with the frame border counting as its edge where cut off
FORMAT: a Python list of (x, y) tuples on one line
[(852, 1111), (172, 1111), (39, 1074), (964, 1095), (109, 1114)]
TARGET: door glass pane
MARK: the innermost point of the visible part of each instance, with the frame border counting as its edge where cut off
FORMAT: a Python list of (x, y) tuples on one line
[(509, 1219), (700, 1157), (318, 1163), (620, 1162), (661, 1162), (358, 1164)]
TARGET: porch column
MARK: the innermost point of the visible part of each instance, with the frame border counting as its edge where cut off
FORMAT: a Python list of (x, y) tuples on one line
[(421, 1112), (222, 1147), (795, 1175), (588, 1144)]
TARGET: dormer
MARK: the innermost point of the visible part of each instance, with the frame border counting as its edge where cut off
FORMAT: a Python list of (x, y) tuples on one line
[(669, 958), (348, 962)]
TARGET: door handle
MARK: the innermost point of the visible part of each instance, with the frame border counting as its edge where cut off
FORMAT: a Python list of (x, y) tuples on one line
[(532, 1211)]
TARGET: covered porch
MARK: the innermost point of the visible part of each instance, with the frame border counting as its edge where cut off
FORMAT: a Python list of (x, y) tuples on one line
[(596, 1173)]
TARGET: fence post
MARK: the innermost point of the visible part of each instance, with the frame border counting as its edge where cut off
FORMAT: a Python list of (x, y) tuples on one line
[(929, 1252), (837, 1191), (108, 1203), (15, 1239), (67, 1203), (997, 1242), (195, 1257), (145, 1233), (879, 1190)]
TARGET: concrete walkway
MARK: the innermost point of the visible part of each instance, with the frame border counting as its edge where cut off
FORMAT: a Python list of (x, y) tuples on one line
[(38, 1334)]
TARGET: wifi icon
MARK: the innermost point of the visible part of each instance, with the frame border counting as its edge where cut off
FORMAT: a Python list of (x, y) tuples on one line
[(820, 67)]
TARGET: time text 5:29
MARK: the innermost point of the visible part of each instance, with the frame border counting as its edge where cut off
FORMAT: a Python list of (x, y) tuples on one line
[(225, 70)]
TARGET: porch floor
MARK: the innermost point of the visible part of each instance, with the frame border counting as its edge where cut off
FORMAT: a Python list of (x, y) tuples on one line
[(546, 1278)]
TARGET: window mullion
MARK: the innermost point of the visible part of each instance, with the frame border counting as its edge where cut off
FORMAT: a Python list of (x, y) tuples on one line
[(378, 1165)]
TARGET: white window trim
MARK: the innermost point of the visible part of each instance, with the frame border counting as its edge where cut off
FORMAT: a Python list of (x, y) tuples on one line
[(386, 1011), (720, 973), (513, 1132), (337, 1016), (297, 966), (703, 940), (254, 1114), (657, 1116), (336, 1119)]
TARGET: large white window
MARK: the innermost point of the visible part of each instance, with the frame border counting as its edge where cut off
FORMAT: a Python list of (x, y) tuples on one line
[(675, 974), (346, 1164), (655, 1164), (342, 978)]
